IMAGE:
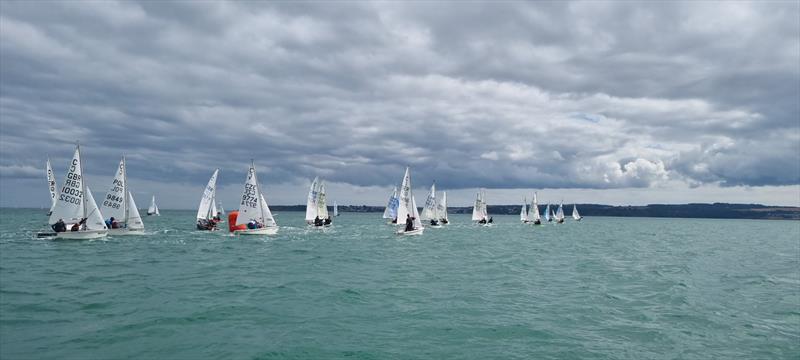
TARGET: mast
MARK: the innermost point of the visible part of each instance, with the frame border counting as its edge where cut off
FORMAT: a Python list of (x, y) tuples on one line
[(258, 191), (126, 214), (83, 180)]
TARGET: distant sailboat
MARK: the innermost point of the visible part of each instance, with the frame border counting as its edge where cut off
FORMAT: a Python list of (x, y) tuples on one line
[(316, 206), (560, 214), (430, 212), (206, 211), (391, 207), (407, 209), (547, 213), (480, 212), (523, 212), (575, 214), (119, 204), (75, 205), (442, 208), (335, 209), (536, 218), (153, 209), (253, 209), (51, 183)]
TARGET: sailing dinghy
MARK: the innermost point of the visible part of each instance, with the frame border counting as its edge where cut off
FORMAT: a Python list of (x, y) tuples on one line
[(75, 206), (430, 213), (523, 212), (407, 209), (480, 210), (391, 207), (153, 209), (547, 213), (119, 204), (316, 206), (442, 209), (575, 214), (207, 210), (253, 212), (536, 218), (560, 214)]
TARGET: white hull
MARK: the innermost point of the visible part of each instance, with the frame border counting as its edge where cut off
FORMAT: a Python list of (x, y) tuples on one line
[(116, 232), (412, 232), (82, 234), (435, 226), (263, 231)]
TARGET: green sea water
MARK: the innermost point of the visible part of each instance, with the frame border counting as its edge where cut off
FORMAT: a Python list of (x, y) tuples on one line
[(602, 288)]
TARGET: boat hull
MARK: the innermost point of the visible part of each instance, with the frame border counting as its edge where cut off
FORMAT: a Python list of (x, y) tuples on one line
[(412, 232), (123, 232), (82, 234), (263, 231)]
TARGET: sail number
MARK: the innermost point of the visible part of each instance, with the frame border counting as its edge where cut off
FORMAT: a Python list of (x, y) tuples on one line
[(70, 199), (249, 197)]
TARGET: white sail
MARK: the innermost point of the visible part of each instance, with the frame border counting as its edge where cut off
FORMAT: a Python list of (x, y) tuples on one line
[(335, 209), (70, 201), (430, 211), (535, 209), (485, 209), (249, 206), (547, 212), (212, 212), (322, 205), (269, 220), (476, 208), (442, 208), (153, 209), (51, 184), (115, 203), (221, 210), (560, 212), (94, 218), (391, 206), (208, 197), (415, 213), (523, 213), (575, 214), (134, 220), (404, 198), (311, 202)]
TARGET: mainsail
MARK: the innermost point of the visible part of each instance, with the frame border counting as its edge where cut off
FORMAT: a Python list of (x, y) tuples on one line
[(575, 214), (322, 205), (430, 211), (115, 203), (523, 213), (210, 192), (311, 202), (442, 208), (547, 213), (535, 209), (51, 184), (335, 209), (70, 204), (391, 206)]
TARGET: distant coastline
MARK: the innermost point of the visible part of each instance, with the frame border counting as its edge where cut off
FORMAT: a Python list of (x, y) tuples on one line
[(700, 211)]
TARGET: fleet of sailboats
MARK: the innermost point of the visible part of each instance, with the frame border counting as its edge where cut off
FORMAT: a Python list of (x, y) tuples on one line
[(73, 207), (76, 215), (119, 207)]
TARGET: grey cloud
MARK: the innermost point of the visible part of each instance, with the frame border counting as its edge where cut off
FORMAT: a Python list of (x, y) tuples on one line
[(577, 95)]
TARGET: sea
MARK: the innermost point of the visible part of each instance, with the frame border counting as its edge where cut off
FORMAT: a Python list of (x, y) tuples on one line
[(601, 288)]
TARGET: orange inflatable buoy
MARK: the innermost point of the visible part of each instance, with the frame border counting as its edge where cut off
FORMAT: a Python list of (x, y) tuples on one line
[(232, 222)]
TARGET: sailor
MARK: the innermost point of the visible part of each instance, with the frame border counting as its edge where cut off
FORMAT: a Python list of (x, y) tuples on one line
[(409, 223), (328, 221), (76, 227), (60, 226), (317, 221)]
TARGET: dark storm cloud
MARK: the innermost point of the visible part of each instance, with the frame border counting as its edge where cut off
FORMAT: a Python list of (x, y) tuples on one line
[(583, 95)]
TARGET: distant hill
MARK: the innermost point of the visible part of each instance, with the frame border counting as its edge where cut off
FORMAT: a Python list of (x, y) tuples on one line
[(712, 211)]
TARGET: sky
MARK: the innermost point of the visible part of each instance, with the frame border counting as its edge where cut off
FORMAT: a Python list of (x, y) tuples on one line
[(590, 102)]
